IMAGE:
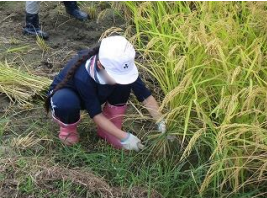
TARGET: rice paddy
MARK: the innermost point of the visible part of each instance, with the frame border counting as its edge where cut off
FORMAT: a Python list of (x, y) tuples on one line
[(209, 60)]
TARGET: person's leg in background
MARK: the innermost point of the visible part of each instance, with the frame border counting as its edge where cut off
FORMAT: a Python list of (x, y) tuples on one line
[(114, 110), (73, 9), (32, 26), (66, 106)]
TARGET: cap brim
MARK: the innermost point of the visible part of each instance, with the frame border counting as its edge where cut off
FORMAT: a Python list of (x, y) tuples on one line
[(124, 79)]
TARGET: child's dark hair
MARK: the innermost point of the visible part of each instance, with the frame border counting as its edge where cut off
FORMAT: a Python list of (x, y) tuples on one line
[(93, 51)]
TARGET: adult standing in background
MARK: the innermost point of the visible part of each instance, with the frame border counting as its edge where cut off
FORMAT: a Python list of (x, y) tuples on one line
[(32, 26)]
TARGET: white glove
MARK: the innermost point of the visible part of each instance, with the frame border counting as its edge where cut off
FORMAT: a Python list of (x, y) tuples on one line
[(132, 143), (162, 128)]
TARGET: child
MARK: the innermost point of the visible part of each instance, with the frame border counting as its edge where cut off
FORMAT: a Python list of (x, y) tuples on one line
[(104, 74)]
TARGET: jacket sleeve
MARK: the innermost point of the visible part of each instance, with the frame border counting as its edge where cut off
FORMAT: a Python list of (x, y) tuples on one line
[(140, 90)]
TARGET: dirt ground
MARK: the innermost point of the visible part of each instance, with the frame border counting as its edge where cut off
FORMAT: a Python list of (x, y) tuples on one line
[(67, 35)]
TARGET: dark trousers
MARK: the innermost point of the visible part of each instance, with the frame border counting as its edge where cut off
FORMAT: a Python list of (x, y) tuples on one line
[(66, 103)]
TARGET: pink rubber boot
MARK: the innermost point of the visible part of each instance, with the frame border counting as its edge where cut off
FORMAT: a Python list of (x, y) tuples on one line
[(115, 115), (68, 132)]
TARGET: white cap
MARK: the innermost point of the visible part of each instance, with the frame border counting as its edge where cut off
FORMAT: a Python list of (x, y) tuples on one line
[(117, 55)]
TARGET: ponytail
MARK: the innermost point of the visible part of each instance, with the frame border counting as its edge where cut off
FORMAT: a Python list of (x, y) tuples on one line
[(70, 74)]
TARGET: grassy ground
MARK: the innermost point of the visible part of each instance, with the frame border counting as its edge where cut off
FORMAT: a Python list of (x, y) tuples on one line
[(34, 163)]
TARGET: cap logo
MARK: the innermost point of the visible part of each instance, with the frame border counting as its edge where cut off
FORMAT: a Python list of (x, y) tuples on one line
[(125, 66)]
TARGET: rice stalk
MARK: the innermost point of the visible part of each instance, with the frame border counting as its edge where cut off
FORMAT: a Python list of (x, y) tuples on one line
[(20, 86)]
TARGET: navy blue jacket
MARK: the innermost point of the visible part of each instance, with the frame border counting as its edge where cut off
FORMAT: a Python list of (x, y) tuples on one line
[(92, 94)]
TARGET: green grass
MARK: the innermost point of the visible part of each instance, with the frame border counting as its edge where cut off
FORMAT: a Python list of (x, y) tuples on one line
[(41, 150)]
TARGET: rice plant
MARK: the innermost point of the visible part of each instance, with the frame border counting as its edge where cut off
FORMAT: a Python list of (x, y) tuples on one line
[(209, 60)]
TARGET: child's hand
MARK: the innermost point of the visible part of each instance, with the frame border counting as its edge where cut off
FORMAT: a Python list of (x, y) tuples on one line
[(162, 128), (132, 143)]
